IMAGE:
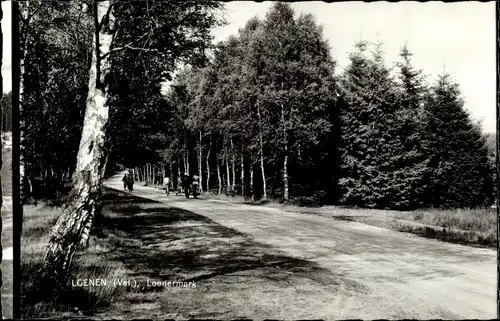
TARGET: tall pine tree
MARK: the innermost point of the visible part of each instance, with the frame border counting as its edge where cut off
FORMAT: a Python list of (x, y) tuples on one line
[(457, 152), (368, 133)]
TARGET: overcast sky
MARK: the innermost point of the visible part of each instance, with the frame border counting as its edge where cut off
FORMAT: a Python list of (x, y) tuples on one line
[(456, 37)]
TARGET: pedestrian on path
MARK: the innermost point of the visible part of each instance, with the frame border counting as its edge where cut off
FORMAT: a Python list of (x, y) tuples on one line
[(166, 184), (179, 185), (125, 182), (196, 185), (187, 185), (130, 181)]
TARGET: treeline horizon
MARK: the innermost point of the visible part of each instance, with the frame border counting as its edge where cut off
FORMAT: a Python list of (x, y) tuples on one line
[(267, 117)]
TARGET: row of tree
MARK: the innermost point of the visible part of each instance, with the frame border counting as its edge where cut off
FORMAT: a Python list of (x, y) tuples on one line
[(268, 117)]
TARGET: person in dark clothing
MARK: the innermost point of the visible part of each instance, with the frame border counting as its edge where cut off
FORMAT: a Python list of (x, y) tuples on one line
[(125, 182), (187, 185), (130, 181), (195, 185)]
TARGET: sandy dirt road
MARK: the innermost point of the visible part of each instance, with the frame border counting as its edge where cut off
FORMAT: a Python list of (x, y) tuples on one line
[(371, 272)]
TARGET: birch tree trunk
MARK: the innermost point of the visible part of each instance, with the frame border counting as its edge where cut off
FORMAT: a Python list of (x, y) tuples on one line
[(285, 147), (73, 225), (200, 168), (264, 186), (208, 165), (242, 173), (251, 182), (178, 173), (233, 166), (227, 173), (218, 176)]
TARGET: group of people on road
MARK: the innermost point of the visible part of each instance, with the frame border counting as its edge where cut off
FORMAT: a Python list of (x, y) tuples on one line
[(185, 183), (190, 185), (128, 181)]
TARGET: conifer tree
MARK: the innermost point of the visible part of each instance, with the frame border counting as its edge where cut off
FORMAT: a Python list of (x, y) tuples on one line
[(457, 152), (368, 135)]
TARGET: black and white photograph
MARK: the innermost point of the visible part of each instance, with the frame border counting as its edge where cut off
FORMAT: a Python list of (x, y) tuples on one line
[(6, 201), (251, 160)]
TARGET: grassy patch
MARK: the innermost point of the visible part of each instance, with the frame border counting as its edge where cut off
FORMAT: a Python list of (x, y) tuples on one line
[(451, 236), (464, 226), (481, 220), (38, 221), (6, 172), (475, 227), (7, 277)]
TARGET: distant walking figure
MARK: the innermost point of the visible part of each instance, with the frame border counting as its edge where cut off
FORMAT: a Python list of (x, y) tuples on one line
[(179, 185), (130, 181), (125, 182), (187, 185), (196, 185), (166, 184)]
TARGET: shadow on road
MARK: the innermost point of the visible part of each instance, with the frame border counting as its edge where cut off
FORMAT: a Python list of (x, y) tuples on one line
[(171, 244)]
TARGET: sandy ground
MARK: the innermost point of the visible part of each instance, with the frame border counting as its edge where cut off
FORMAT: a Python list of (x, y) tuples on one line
[(365, 272)]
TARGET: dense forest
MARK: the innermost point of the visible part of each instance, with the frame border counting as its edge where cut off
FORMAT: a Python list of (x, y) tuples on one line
[(264, 114)]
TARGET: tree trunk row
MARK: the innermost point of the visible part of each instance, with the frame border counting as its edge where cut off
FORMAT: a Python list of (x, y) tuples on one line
[(148, 173)]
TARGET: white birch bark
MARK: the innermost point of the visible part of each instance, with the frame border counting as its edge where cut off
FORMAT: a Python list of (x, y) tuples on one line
[(227, 173), (233, 166), (264, 185), (73, 225), (251, 182), (285, 161), (219, 176), (208, 165), (200, 160), (242, 177)]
